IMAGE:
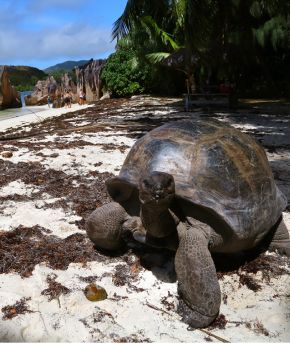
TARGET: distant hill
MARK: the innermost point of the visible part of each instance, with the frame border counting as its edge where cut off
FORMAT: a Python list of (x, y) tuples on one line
[(65, 66), (24, 77)]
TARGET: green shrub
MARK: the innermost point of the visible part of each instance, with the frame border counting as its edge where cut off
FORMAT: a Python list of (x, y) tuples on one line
[(123, 75), (57, 74)]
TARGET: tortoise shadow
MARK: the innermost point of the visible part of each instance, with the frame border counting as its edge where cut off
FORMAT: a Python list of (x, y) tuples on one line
[(161, 262)]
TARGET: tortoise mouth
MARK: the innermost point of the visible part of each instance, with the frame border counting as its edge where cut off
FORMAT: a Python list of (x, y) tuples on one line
[(159, 195), (157, 189)]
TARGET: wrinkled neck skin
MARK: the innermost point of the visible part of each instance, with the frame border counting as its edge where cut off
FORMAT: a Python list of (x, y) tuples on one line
[(157, 219)]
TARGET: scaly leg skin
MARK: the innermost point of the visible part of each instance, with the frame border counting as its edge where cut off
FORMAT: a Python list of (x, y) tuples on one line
[(280, 240), (104, 226), (197, 279)]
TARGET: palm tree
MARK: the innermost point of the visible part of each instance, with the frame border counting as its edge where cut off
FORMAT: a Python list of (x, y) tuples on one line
[(180, 28), (229, 36)]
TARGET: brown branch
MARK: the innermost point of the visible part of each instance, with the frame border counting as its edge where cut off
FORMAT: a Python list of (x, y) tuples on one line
[(202, 330), (214, 336), (156, 308)]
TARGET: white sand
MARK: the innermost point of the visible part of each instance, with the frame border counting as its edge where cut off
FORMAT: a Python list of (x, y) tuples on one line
[(139, 315), (37, 115)]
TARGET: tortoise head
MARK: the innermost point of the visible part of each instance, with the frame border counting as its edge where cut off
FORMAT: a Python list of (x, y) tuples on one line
[(156, 188)]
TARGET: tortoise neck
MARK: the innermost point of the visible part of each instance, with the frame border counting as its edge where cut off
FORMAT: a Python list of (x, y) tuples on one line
[(157, 220), (153, 210)]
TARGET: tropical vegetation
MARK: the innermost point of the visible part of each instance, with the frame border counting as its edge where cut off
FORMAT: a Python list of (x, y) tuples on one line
[(57, 74), (24, 77), (66, 66), (242, 42), (122, 75)]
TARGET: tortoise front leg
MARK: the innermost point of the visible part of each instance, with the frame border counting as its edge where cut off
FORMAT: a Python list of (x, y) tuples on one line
[(197, 279), (104, 226)]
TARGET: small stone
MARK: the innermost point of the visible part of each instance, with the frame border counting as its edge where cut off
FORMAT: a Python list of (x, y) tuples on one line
[(94, 292), (6, 154)]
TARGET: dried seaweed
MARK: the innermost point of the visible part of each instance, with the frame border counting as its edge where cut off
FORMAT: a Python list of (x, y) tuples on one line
[(168, 305), (111, 147), (132, 338), (89, 279), (121, 275), (20, 307), (117, 297), (260, 329), (23, 248), (125, 274), (250, 282), (99, 316), (54, 289), (270, 266), (220, 322), (82, 199)]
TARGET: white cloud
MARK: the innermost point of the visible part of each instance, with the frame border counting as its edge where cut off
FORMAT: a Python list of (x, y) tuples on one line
[(75, 40), (70, 40), (39, 31)]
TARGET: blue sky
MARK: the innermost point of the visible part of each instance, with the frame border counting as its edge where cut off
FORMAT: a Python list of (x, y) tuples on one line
[(41, 33)]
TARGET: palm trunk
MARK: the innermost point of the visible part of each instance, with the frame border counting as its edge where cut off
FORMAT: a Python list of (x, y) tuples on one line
[(191, 83)]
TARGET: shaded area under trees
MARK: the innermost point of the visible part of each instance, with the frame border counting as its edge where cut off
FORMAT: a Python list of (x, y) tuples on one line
[(244, 43)]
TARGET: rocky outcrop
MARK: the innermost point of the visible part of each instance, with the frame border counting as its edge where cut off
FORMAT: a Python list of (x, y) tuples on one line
[(9, 96), (42, 89), (106, 95), (50, 88), (88, 79), (68, 84)]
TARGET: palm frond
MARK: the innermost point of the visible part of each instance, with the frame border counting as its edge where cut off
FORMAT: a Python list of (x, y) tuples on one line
[(124, 23), (179, 10), (276, 31), (134, 62), (158, 32), (157, 57)]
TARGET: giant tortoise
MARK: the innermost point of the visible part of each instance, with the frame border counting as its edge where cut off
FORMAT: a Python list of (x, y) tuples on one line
[(198, 186)]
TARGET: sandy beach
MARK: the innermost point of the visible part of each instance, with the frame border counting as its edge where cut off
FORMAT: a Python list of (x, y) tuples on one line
[(54, 164), (34, 114)]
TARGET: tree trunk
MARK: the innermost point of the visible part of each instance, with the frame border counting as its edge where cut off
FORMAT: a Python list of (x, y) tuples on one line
[(191, 82)]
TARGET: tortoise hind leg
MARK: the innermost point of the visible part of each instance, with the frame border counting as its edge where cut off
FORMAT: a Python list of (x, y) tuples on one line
[(281, 240), (104, 226), (197, 279)]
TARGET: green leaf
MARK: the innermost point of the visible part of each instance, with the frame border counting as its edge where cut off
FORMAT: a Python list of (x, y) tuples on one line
[(157, 31), (157, 57)]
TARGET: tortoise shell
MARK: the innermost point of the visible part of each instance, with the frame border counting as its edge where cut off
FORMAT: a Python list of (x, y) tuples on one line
[(217, 169)]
